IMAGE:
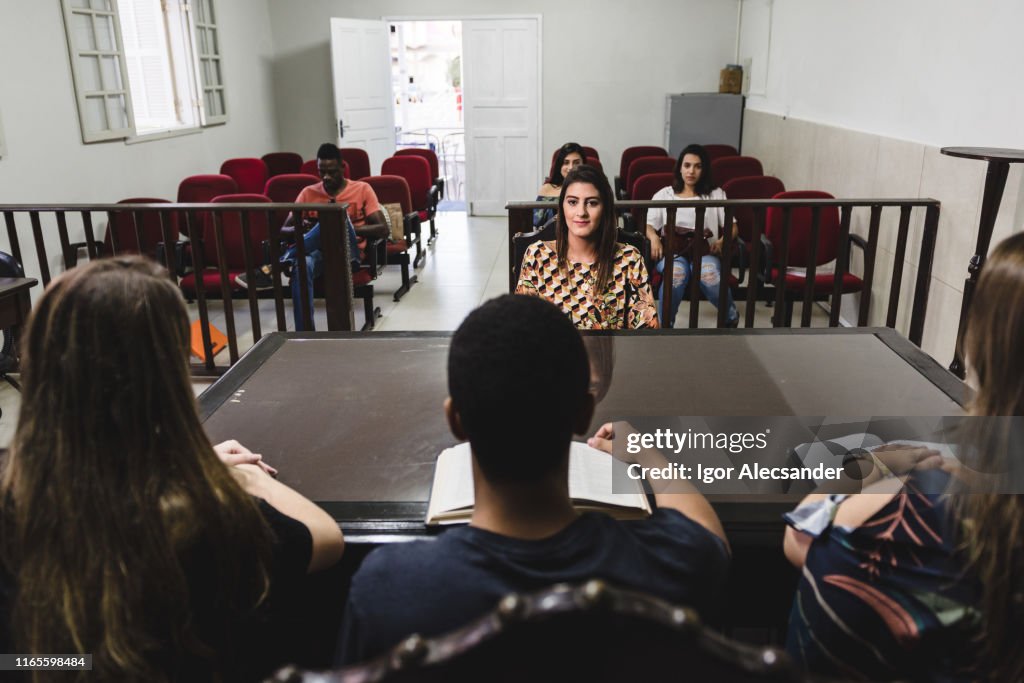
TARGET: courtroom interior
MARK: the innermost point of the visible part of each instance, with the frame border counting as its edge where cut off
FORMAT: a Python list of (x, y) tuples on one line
[(266, 264)]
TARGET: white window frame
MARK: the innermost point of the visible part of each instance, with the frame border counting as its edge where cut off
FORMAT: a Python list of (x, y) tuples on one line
[(204, 68), (209, 63)]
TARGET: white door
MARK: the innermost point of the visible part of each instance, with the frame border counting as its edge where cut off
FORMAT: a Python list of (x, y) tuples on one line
[(361, 69), (501, 73)]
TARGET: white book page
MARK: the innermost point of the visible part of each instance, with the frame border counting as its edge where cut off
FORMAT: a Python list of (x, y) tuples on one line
[(590, 479), (453, 481)]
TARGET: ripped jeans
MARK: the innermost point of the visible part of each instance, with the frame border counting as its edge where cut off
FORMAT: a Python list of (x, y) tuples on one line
[(710, 283)]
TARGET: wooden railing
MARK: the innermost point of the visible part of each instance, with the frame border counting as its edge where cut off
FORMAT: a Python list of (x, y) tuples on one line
[(185, 253), (520, 220)]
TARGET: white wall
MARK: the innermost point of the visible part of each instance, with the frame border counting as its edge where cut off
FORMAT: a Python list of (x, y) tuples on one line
[(939, 73), (46, 160), (607, 65), (858, 99)]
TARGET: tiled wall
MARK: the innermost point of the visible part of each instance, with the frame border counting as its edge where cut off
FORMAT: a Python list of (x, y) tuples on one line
[(851, 164)]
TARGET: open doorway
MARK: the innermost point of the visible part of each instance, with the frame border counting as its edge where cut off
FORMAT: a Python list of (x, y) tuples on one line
[(426, 78)]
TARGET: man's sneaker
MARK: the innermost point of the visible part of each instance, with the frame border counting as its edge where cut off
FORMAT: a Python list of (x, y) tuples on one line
[(261, 279)]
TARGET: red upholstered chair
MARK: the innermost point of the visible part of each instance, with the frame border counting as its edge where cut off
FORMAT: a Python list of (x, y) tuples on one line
[(725, 169), (644, 188), (358, 161), (590, 152), (121, 230), (719, 151), (750, 187), (798, 253), (628, 155), (285, 188), (595, 162), (234, 245), (279, 163), (643, 166), (200, 189), (416, 172), (435, 168), (392, 189), (250, 174)]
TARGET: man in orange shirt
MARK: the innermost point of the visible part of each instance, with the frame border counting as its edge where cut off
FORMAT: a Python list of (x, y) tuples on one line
[(365, 219)]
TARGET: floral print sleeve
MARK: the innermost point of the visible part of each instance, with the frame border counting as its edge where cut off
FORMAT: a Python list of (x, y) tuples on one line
[(641, 310), (528, 273)]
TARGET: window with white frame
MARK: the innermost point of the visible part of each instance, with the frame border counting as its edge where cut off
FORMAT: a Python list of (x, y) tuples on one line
[(142, 67)]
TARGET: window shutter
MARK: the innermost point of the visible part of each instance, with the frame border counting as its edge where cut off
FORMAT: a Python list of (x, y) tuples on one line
[(147, 63), (213, 101), (98, 68)]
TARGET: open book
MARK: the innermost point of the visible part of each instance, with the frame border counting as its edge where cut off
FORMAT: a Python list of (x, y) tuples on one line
[(590, 486)]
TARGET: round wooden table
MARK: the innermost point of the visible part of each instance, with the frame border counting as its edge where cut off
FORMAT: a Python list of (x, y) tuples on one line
[(999, 160)]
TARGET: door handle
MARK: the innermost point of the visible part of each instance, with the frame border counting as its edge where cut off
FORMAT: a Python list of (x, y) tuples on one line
[(341, 128)]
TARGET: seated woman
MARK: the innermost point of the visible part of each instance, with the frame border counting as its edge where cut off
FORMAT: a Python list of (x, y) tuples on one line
[(599, 283), (123, 532), (692, 180), (994, 512), (887, 590), (569, 156)]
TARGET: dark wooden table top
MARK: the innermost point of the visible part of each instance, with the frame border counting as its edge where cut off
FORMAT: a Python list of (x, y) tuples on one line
[(13, 285), (986, 153), (355, 422)]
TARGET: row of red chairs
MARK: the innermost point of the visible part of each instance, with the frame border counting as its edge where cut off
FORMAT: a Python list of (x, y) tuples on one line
[(419, 167), (126, 230), (646, 169)]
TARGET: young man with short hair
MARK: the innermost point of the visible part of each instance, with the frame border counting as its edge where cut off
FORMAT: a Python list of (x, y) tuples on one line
[(518, 380), (365, 219)]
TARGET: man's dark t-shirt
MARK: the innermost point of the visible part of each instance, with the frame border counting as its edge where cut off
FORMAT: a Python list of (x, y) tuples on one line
[(434, 587)]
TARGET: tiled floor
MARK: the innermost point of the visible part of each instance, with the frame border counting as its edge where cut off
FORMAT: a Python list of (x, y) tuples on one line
[(467, 265)]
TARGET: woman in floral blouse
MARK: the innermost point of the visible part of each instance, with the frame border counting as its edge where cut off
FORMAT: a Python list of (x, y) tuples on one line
[(599, 283)]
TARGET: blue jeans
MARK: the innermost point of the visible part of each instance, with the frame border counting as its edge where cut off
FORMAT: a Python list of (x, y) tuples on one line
[(710, 283), (314, 268)]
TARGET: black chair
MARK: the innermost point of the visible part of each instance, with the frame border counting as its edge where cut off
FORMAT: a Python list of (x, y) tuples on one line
[(590, 632), (9, 357), (523, 240)]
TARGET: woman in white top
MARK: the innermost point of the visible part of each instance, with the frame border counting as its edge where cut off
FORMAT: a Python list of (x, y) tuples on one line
[(692, 181)]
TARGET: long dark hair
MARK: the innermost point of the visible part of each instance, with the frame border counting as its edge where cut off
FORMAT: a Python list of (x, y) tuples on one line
[(705, 183), (114, 501), (606, 241), (555, 176), (994, 522)]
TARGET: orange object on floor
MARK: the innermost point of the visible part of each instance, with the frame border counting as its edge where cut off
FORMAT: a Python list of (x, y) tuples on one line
[(217, 340)]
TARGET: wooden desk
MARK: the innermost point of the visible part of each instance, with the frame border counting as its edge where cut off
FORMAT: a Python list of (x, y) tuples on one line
[(355, 421), (999, 161), (15, 303)]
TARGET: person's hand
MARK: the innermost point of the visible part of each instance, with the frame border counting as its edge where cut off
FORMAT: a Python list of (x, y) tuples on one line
[(902, 458), (233, 454), (603, 437), (716, 247), (656, 249)]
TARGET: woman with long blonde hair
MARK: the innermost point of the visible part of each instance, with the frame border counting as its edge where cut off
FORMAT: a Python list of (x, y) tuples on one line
[(123, 532)]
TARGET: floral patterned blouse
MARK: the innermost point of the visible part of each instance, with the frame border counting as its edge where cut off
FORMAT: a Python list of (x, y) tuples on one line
[(626, 304), (891, 598)]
